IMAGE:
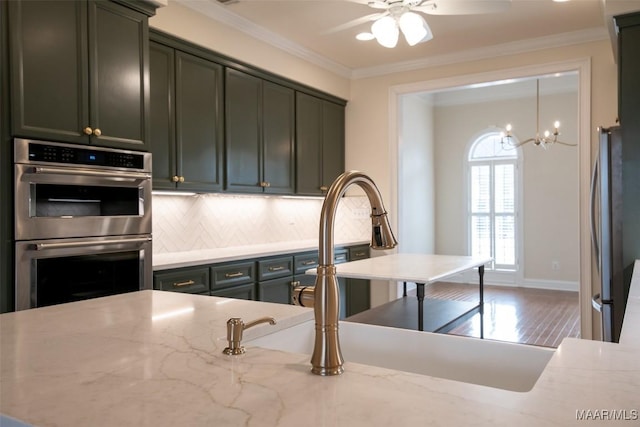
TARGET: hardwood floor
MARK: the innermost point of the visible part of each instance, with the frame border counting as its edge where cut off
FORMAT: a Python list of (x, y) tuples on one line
[(522, 315)]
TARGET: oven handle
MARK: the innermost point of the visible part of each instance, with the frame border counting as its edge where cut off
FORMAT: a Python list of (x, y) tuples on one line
[(119, 240), (94, 173)]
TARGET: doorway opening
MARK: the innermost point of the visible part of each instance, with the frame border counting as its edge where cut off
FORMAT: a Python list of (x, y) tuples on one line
[(436, 123)]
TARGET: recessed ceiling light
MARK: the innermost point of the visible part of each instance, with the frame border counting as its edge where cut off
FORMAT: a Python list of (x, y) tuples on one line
[(365, 36)]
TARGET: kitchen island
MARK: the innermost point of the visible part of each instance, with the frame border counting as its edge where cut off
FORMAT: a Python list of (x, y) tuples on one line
[(154, 358)]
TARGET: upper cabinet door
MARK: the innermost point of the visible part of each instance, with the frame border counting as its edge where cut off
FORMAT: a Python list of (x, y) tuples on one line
[(308, 144), (243, 132), (162, 141), (278, 139), (119, 82), (332, 142), (79, 72), (49, 69), (199, 123)]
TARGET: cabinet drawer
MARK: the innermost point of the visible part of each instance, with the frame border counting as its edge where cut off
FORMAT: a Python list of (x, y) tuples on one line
[(305, 261), (232, 274), (358, 252), (191, 280), (274, 268), (340, 256)]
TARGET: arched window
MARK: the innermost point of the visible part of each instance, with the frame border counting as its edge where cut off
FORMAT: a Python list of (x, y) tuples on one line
[(492, 200)]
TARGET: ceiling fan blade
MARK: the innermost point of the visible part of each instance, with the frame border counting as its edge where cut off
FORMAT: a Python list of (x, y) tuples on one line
[(356, 22), (463, 7)]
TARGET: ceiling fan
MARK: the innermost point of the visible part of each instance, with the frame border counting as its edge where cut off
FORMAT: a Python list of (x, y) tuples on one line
[(400, 16), (397, 16)]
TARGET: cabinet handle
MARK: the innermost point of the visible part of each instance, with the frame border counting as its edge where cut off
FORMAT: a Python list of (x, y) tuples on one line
[(185, 283), (340, 258), (310, 262), (324, 188), (359, 254), (265, 184), (97, 132), (295, 283), (175, 178), (278, 268), (230, 275), (87, 130), (181, 179)]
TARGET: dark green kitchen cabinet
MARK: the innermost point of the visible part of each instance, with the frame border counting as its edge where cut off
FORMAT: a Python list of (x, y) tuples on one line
[(6, 176), (259, 122), (358, 292), (275, 278), (79, 72), (186, 120), (319, 143)]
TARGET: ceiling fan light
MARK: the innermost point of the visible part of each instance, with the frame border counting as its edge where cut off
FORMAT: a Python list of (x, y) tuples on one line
[(414, 28), (386, 31), (365, 36)]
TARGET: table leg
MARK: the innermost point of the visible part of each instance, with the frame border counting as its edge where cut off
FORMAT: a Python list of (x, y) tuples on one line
[(481, 287), (420, 294)]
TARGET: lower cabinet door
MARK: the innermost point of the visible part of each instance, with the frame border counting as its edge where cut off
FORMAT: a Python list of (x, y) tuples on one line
[(276, 290), (247, 292)]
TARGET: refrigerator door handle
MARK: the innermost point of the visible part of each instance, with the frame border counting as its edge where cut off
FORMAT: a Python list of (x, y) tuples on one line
[(592, 214), (596, 302)]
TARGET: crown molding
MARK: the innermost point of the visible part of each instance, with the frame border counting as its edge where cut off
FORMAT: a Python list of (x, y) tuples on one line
[(505, 49), (217, 12)]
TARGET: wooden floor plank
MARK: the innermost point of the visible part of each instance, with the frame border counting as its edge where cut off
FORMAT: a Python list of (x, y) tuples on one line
[(523, 315)]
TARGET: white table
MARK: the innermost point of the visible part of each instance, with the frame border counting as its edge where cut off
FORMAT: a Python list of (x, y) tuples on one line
[(419, 268)]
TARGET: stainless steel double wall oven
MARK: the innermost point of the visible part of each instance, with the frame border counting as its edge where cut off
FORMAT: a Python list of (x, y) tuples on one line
[(82, 222)]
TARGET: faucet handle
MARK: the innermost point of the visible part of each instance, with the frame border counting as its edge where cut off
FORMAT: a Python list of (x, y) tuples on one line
[(235, 328)]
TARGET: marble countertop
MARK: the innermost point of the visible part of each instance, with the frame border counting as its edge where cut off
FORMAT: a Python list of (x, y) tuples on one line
[(154, 358), (165, 261)]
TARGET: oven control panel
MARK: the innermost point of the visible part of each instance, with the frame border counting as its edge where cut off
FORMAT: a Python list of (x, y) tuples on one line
[(51, 153)]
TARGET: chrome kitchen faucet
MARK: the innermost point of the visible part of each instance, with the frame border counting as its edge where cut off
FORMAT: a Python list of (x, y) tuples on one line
[(324, 296)]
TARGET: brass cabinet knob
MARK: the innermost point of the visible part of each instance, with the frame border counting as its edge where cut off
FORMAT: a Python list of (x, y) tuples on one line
[(265, 184), (97, 132), (324, 188), (88, 131), (181, 179), (175, 178)]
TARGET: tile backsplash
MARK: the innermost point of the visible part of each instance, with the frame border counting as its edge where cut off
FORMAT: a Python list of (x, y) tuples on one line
[(187, 223)]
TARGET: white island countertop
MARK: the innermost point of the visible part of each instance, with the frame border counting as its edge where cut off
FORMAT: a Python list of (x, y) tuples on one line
[(418, 268), (154, 358)]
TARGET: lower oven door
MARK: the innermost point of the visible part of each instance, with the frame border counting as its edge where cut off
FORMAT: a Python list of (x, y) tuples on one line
[(64, 270)]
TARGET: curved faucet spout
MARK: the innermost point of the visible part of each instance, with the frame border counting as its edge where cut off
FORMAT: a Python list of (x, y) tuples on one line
[(327, 356)]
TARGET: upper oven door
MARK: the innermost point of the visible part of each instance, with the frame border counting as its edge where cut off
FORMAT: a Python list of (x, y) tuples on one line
[(66, 201)]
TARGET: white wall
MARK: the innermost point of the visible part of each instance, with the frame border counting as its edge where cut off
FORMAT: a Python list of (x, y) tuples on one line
[(550, 190), (416, 209)]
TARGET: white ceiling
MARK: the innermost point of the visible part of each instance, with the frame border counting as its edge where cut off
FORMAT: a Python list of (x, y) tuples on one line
[(307, 28)]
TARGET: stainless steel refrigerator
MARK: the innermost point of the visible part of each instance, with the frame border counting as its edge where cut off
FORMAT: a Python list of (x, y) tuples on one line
[(615, 225)]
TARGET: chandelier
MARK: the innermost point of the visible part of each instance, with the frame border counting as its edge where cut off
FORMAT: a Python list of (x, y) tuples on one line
[(546, 138), (386, 30)]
